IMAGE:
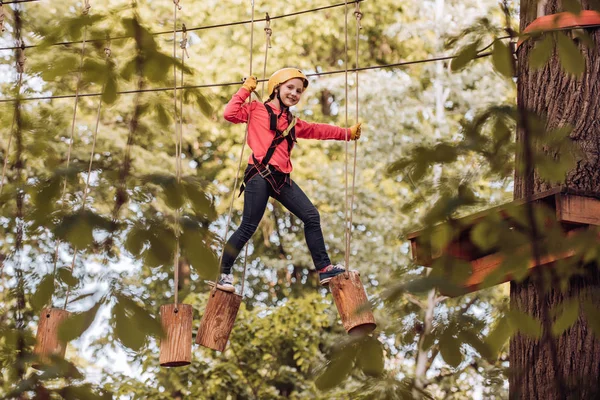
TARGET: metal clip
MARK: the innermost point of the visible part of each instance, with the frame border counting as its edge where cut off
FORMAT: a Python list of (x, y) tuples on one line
[(266, 173), (176, 2), (268, 30), (358, 15), (184, 40)]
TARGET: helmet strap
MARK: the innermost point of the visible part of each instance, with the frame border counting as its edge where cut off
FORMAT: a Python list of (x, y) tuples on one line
[(282, 106)]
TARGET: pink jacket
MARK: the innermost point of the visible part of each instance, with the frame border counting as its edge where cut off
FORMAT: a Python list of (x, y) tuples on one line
[(260, 136)]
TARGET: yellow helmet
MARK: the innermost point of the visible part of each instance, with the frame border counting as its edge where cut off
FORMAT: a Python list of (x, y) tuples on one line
[(284, 75)]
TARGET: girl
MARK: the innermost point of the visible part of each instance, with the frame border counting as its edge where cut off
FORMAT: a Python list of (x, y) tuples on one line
[(272, 131)]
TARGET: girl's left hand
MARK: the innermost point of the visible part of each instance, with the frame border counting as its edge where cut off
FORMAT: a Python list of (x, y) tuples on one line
[(355, 131)]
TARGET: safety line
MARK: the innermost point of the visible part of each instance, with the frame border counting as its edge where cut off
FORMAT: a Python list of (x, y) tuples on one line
[(19, 1), (373, 67), (196, 28)]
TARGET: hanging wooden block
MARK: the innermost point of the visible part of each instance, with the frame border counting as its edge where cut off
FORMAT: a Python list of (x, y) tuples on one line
[(352, 303), (47, 341), (218, 319), (176, 346)]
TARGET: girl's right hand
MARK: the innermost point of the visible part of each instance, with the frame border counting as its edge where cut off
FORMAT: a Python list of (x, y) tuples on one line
[(355, 131), (250, 84)]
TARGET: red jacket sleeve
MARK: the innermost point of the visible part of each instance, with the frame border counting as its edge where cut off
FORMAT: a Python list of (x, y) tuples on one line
[(307, 130), (236, 110)]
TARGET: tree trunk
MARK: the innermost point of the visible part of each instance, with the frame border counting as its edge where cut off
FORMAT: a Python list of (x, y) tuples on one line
[(567, 366)]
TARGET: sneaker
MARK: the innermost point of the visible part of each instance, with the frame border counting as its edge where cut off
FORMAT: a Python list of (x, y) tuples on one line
[(225, 283), (329, 272)]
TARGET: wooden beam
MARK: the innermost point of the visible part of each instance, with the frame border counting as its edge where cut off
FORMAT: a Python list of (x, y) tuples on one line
[(577, 209)]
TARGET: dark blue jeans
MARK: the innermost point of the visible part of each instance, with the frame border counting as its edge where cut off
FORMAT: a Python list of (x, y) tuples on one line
[(256, 197)]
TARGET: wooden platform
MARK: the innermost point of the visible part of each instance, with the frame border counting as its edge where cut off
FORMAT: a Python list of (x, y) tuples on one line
[(566, 210)]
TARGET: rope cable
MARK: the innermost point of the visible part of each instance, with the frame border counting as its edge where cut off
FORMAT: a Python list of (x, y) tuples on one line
[(346, 218), (70, 148), (177, 118), (212, 85), (268, 33), (358, 14), (222, 25), (20, 68), (89, 171), (239, 165)]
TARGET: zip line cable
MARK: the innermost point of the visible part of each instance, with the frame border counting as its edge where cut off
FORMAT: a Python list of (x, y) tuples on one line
[(196, 28), (237, 173), (373, 67), (18, 1)]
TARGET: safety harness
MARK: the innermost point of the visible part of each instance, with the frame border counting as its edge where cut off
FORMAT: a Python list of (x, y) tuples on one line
[(276, 179)]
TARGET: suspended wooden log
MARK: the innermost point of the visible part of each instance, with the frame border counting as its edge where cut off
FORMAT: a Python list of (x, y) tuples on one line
[(176, 346), (47, 341), (351, 301), (218, 319)]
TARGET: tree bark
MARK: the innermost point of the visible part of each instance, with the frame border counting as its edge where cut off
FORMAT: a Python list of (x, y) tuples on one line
[(567, 366)]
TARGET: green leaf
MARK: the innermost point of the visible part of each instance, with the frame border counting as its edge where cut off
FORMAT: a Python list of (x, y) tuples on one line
[(337, 369), (43, 293), (485, 234), (499, 335), (370, 357), (525, 323), (450, 349), (125, 330), (66, 275), (464, 56), (592, 315), (196, 249), (569, 312), (570, 57), (572, 6), (76, 230), (477, 343), (503, 59), (144, 321), (542, 52), (109, 95), (174, 194), (77, 324), (136, 239)]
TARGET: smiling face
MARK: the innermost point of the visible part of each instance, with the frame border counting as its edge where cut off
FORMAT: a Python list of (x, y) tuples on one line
[(291, 91)]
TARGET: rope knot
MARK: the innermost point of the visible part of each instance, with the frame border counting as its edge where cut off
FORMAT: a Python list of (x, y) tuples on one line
[(268, 30), (176, 2), (86, 7), (184, 40), (358, 14)]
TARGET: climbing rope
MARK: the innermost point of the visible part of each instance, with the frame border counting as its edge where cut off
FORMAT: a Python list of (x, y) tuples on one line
[(346, 216), (70, 148), (178, 142), (358, 15), (268, 33), (107, 53), (237, 173), (20, 67)]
